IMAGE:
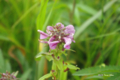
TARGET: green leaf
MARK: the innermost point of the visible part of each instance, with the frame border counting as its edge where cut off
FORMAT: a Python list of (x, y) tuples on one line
[(59, 64), (24, 15), (97, 70), (3, 37), (25, 75), (94, 77), (49, 16), (72, 67), (15, 6), (115, 76), (16, 73), (3, 29), (77, 16), (2, 65), (87, 9), (46, 76), (93, 18), (8, 66), (38, 57), (42, 14), (49, 57)]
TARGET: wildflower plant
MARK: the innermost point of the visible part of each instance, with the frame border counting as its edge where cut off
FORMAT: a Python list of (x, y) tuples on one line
[(59, 39), (8, 76)]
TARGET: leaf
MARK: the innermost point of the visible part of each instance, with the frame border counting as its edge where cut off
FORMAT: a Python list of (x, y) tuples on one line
[(8, 66), (59, 64), (41, 64), (72, 67), (49, 16), (24, 15), (3, 37), (77, 16), (115, 76), (2, 65), (86, 8), (46, 76), (49, 57), (94, 77), (25, 75), (96, 70), (42, 14), (93, 18), (38, 57), (16, 73), (15, 6), (3, 29)]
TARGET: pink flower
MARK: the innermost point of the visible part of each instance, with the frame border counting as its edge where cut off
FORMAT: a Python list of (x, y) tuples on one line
[(58, 34), (43, 35)]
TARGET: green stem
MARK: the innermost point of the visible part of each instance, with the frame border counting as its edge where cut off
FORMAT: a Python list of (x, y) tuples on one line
[(59, 70)]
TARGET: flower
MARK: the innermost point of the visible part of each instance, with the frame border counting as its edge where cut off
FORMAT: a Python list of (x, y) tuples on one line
[(8, 76), (58, 34)]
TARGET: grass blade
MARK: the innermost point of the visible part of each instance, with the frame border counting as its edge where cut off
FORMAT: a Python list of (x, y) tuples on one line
[(93, 18)]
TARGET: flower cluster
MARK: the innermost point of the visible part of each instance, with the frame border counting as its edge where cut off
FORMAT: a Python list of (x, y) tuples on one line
[(7, 76), (58, 34)]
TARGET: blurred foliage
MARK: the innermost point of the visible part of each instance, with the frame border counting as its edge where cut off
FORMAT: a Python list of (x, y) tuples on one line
[(97, 33)]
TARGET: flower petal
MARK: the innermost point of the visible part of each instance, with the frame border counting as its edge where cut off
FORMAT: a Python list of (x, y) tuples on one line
[(52, 38), (70, 29), (49, 29), (53, 44), (67, 42), (67, 46), (61, 26), (43, 35), (70, 36)]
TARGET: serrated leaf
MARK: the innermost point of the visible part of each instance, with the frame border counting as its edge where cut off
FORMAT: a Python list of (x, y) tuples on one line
[(46, 54), (46, 76), (94, 77), (115, 76), (72, 67), (96, 70), (38, 57), (49, 57)]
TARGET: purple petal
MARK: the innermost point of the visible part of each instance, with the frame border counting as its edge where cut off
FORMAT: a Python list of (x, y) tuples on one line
[(52, 38), (67, 42), (70, 36), (13, 76), (67, 46), (73, 41), (60, 25), (53, 44), (43, 35), (70, 29), (49, 29)]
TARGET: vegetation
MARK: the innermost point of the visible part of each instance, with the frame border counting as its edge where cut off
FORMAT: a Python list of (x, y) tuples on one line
[(97, 37)]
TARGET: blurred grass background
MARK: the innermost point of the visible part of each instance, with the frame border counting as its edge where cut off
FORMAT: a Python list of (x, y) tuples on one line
[(97, 24)]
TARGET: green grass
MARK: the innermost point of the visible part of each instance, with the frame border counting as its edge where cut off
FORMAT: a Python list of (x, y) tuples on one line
[(97, 25)]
